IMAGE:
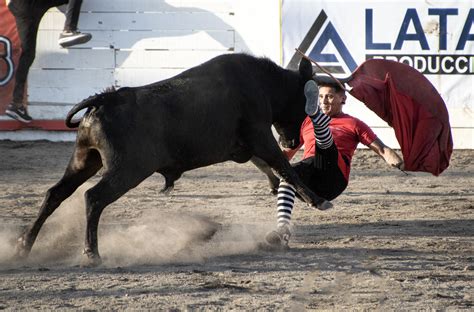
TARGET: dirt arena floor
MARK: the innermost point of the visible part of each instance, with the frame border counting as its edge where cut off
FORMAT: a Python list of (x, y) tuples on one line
[(393, 242)]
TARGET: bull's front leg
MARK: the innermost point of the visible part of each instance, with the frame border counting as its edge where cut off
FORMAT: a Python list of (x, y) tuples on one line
[(273, 180), (287, 172), (265, 146)]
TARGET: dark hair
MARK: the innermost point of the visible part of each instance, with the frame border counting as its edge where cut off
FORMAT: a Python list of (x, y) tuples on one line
[(337, 88)]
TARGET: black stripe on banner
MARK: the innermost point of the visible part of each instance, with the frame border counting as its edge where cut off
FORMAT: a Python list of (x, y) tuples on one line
[(310, 35)]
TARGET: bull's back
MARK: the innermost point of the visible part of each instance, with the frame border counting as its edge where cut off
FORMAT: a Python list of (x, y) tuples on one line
[(187, 121), (179, 124)]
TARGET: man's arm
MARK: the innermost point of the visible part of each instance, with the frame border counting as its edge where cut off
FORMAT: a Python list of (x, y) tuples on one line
[(388, 154)]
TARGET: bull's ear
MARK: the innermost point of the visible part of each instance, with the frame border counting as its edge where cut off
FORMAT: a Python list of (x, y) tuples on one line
[(306, 69)]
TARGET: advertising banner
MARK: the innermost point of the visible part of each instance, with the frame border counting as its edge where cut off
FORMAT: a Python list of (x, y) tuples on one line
[(10, 48), (434, 37)]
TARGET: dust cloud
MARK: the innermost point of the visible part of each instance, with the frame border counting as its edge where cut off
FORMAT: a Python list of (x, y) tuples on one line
[(8, 236), (154, 238), (157, 239)]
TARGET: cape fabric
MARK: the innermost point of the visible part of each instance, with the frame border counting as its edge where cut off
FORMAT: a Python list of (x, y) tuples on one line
[(409, 103)]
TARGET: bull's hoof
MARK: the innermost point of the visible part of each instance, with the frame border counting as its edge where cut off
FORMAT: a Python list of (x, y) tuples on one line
[(90, 260), (274, 186), (324, 205), (167, 190)]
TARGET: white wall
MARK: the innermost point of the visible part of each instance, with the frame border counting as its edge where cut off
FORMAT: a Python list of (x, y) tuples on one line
[(138, 42)]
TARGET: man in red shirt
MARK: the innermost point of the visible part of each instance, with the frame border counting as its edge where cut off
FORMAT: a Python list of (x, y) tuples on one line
[(330, 138)]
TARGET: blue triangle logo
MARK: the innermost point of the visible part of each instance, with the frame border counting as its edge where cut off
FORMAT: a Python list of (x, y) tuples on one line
[(328, 35)]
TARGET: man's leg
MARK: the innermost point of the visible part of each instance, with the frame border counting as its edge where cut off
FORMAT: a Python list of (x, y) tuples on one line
[(27, 26), (70, 35), (280, 237), (72, 15), (320, 121)]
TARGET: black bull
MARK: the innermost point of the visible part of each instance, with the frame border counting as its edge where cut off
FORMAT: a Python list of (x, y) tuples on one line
[(220, 110)]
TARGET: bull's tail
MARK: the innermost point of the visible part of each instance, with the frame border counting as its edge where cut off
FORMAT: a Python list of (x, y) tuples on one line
[(78, 107), (91, 102)]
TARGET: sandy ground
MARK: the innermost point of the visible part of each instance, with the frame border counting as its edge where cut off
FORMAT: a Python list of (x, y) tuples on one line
[(392, 242)]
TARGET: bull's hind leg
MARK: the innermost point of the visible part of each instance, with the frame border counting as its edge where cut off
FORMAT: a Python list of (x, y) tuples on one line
[(114, 183), (83, 165)]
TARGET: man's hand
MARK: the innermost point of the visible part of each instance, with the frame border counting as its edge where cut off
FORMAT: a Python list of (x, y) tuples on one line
[(393, 159), (388, 154)]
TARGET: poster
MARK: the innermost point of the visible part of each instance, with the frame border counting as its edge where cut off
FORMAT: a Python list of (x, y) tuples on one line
[(10, 49)]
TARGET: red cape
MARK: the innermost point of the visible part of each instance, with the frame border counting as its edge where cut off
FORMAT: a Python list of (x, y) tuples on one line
[(409, 103)]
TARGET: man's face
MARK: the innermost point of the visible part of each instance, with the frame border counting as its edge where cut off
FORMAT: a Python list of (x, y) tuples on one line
[(331, 102)]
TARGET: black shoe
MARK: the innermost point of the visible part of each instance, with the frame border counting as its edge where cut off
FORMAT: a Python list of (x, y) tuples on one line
[(278, 239), (18, 113), (70, 38), (311, 93)]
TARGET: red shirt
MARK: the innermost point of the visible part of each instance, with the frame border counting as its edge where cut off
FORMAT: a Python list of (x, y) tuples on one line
[(347, 132)]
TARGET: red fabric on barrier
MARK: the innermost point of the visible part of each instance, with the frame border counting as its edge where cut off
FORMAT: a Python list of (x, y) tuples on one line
[(409, 103)]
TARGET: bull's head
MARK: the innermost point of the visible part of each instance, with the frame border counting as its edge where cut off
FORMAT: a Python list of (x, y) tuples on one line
[(288, 127), (289, 136)]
